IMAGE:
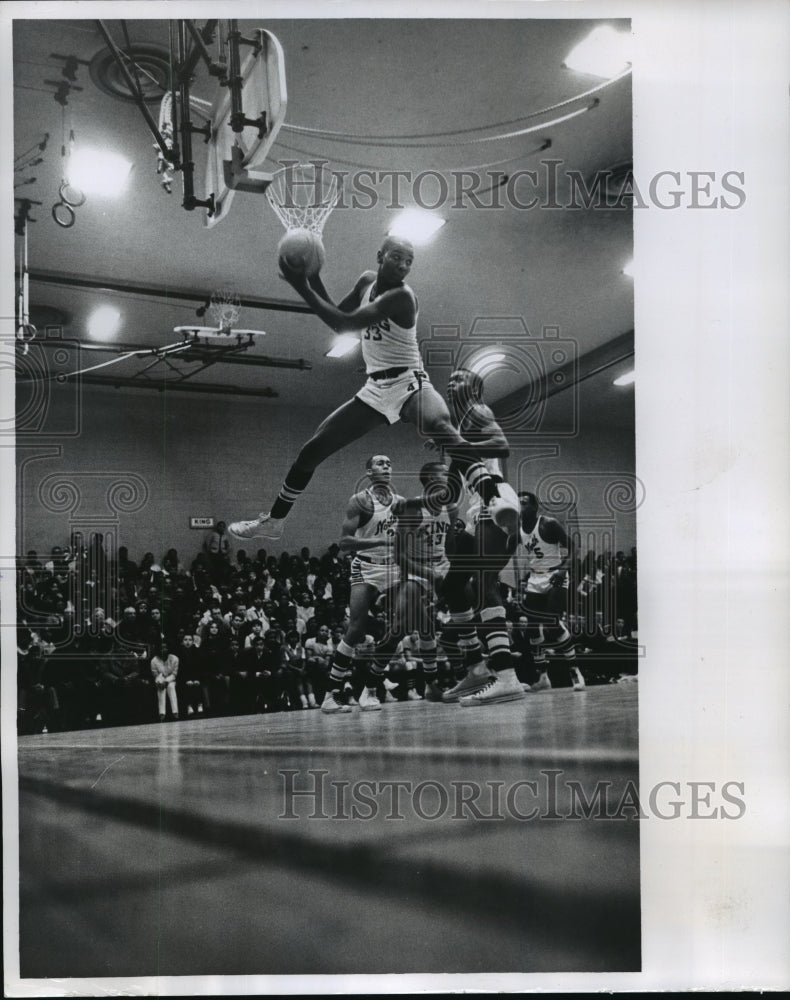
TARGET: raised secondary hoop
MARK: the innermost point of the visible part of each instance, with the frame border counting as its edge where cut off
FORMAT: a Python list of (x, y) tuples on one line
[(302, 195), (224, 309)]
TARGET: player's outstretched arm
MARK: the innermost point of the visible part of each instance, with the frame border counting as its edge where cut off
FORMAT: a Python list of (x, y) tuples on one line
[(397, 303)]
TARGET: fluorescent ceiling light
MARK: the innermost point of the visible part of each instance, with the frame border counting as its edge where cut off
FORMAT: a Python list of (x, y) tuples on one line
[(629, 269), (486, 360), (98, 172), (416, 225), (104, 322), (604, 52), (626, 379), (344, 344)]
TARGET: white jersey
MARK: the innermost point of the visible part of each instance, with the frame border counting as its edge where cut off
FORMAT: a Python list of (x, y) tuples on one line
[(433, 529), (387, 345), (471, 502), (380, 525), (541, 559)]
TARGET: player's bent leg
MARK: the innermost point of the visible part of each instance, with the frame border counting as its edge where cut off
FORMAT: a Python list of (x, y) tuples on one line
[(505, 511), (344, 425)]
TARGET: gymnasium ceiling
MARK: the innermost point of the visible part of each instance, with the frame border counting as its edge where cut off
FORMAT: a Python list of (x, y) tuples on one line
[(556, 268)]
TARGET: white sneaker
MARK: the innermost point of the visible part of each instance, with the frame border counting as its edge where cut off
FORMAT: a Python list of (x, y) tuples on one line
[(389, 699), (368, 701), (263, 526), (388, 684), (413, 696), (577, 679), (479, 676), (504, 687), (542, 684), (331, 707)]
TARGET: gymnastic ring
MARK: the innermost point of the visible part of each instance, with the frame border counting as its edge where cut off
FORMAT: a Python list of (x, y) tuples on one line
[(69, 221), (65, 189)]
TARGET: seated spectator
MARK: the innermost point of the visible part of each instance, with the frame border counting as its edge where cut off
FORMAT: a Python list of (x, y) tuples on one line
[(256, 612), (188, 686), (300, 690), (404, 667), (171, 564), (256, 632), (123, 690), (164, 669), (214, 675), (304, 611), (318, 652)]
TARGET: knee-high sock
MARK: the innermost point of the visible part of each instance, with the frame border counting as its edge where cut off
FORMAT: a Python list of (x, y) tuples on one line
[(381, 657), (295, 484), (496, 638), (342, 665), (467, 636), (428, 657)]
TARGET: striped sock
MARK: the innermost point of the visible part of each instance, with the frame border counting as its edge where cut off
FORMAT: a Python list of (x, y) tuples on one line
[(497, 638), (295, 484), (428, 657), (343, 659), (467, 636), (479, 479), (381, 658)]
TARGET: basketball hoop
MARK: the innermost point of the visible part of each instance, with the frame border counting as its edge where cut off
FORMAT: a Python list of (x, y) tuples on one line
[(225, 308), (302, 195)]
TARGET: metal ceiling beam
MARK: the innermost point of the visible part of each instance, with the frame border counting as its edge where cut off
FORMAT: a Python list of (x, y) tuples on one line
[(166, 292), (168, 385), (195, 354)]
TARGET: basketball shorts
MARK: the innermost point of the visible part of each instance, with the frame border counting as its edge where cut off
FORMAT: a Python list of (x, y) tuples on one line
[(381, 575), (388, 395), (432, 577), (547, 608)]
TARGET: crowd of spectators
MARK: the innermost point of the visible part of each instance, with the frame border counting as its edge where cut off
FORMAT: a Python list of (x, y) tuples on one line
[(105, 640)]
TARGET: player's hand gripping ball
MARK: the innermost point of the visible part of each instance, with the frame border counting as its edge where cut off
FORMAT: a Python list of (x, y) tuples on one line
[(301, 251)]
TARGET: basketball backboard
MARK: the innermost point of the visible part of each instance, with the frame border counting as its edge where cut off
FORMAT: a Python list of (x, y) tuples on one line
[(235, 158)]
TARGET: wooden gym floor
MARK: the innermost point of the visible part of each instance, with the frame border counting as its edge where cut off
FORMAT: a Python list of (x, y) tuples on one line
[(175, 850)]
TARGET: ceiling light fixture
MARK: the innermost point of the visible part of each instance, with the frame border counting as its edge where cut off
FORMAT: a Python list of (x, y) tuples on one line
[(604, 52), (104, 323), (344, 344), (629, 269), (627, 379), (98, 172), (486, 360), (416, 225)]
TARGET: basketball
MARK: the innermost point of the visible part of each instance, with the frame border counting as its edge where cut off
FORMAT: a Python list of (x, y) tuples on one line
[(302, 250)]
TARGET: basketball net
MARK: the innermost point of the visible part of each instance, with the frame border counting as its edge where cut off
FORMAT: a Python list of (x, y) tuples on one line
[(224, 309), (302, 195)]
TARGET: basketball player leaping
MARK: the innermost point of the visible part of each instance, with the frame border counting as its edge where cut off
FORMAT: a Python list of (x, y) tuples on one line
[(368, 531), (384, 309), (481, 552)]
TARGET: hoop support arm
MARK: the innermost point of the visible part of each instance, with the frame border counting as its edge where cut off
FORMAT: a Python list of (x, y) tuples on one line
[(135, 91), (239, 178)]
